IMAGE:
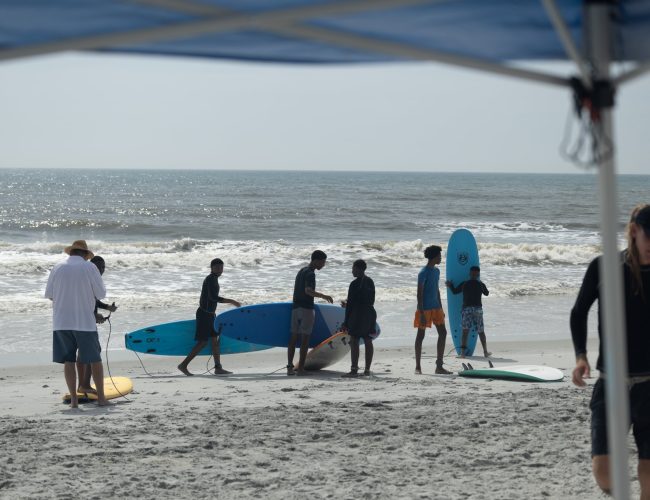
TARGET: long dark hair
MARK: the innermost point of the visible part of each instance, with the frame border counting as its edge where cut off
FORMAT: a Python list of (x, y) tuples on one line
[(632, 257)]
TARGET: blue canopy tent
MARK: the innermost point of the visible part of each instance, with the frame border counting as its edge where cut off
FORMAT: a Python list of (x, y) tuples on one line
[(478, 34)]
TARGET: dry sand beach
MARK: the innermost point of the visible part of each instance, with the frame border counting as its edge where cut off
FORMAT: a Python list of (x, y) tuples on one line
[(257, 435)]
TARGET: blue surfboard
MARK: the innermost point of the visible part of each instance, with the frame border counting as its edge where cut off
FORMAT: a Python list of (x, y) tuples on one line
[(462, 254), (177, 339), (269, 324)]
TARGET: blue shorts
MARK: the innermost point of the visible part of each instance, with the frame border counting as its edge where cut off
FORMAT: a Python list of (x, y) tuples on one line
[(67, 342), (639, 415), (472, 317)]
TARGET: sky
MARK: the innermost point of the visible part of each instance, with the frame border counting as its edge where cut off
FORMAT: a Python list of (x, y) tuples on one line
[(84, 110)]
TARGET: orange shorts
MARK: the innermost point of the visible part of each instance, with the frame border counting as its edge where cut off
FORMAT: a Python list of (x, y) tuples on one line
[(431, 317)]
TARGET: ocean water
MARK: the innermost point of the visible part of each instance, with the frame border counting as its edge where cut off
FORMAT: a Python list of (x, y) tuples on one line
[(158, 231)]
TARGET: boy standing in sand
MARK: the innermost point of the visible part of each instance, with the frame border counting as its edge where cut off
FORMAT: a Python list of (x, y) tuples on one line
[(205, 315), (73, 287), (429, 310), (302, 313), (472, 312)]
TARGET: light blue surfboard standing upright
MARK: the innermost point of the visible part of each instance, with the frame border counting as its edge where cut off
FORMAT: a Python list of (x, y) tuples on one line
[(462, 254)]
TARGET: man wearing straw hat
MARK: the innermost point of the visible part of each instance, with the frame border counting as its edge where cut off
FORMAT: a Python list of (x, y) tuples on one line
[(73, 287)]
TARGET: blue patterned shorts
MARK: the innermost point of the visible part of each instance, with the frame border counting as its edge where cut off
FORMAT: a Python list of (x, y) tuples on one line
[(472, 317)]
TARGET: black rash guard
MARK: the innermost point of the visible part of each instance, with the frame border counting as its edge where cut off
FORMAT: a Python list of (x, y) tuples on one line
[(472, 291), (210, 294), (637, 318)]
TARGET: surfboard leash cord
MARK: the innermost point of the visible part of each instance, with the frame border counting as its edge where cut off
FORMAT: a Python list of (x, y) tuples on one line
[(108, 366)]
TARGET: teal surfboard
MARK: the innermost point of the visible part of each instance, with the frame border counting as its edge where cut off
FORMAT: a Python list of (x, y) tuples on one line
[(177, 339), (270, 324), (462, 254), (522, 373)]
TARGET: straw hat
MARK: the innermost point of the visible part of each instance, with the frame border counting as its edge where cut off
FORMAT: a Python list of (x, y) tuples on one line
[(79, 245)]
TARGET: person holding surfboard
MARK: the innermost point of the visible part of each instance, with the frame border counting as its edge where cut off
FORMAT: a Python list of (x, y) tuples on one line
[(635, 267), (472, 312), (302, 312), (360, 316), (205, 314), (73, 286), (429, 312)]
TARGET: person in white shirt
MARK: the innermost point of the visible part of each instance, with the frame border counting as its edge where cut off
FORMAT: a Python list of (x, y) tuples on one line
[(73, 286)]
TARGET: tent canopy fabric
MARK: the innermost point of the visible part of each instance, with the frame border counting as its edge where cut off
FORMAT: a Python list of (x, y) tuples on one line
[(481, 34), (312, 31)]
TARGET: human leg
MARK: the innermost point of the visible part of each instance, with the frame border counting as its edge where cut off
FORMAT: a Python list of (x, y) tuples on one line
[(370, 350), (643, 470), (483, 339), (418, 350), (354, 357), (71, 381), (97, 370), (291, 350), (216, 354), (64, 350), (193, 353), (600, 469), (304, 346), (84, 372), (354, 353), (463, 342), (442, 338)]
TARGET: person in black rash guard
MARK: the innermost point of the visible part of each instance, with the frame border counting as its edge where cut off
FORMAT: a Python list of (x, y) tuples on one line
[(635, 264), (472, 312), (205, 319), (83, 369), (360, 316)]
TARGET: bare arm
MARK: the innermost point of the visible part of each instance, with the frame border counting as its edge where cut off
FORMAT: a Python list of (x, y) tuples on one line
[(229, 301), (313, 293), (420, 296)]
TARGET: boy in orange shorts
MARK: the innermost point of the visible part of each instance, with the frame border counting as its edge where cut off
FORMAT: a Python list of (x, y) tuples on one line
[(429, 310)]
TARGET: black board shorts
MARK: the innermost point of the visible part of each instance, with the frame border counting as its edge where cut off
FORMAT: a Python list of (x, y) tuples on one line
[(639, 416), (204, 325)]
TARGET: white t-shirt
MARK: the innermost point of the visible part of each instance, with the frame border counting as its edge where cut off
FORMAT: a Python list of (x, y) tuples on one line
[(74, 285)]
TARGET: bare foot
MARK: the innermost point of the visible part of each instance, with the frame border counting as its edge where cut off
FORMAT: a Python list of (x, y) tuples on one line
[(74, 403), (441, 371), (301, 372), (351, 374), (290, 370), (185, 371), (221, 371), (86, 390), (418, 371), (104, 402), (487, 354)]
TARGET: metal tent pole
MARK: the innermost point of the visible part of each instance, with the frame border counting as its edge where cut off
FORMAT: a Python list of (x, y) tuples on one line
[(600, 35)]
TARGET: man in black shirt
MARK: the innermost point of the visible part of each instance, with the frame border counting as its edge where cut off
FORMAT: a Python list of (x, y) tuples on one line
[(302, 314), (472, 312), (205, 319)]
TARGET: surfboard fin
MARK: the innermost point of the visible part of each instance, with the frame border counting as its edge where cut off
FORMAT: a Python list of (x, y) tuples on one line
[(470, 366), (464, 366)]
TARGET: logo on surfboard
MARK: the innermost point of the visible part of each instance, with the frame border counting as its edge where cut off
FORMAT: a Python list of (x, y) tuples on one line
[(463, 258)]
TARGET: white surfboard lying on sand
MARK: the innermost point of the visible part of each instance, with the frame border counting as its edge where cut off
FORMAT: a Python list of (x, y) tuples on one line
[(530, 373), (328, 352)]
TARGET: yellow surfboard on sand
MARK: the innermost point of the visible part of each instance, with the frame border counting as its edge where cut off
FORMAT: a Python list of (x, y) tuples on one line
[(114, 387)]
